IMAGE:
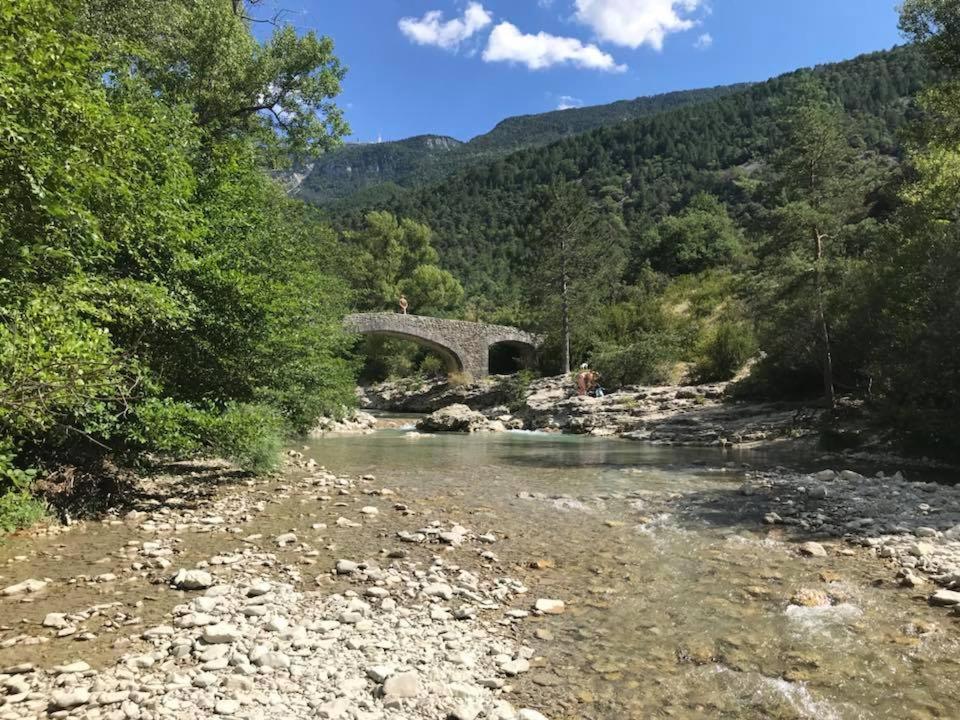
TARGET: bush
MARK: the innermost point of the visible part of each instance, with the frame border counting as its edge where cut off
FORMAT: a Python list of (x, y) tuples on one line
[(515, 388), (432, 366), (725, 351), (459, 379), (645, 362), (18, 506), (251, 436)]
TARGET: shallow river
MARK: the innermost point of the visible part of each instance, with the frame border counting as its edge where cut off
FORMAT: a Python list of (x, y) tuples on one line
[(676, 606), (678, 609)]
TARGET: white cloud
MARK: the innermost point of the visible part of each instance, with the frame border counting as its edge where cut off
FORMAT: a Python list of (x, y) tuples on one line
[(704, 42), (508, 44), (568, 102), (432, 30), (633, 23)]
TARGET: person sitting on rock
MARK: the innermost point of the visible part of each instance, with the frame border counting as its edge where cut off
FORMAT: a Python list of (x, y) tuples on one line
[(404, 304)]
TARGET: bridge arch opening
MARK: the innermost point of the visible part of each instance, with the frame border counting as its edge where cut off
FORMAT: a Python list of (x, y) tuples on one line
[(510, 357), (396, 355)]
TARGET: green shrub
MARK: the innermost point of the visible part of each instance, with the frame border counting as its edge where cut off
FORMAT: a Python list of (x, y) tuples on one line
[(251, 436), (19, 508), (645, 362), (432, 365), (515, 388), (725, 351)]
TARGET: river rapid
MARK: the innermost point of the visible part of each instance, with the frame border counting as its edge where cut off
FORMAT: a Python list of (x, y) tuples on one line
[(680, 600)]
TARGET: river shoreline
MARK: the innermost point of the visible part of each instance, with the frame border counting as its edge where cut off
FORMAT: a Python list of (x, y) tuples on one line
[(200, 606), (706, 415)]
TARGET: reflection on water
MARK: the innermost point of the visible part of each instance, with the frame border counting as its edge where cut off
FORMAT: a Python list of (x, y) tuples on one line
[(671, 612)]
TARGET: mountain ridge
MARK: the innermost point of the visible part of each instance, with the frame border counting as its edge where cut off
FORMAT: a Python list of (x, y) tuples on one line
[(430, 157)]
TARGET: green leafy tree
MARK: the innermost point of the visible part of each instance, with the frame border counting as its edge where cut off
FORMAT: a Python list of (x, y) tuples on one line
[(203, 55), (157, 290), (397, 256), (702, 236)]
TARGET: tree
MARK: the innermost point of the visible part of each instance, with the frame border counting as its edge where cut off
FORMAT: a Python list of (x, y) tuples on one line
[(576, 259), (203, 55), (702, 236), (158, 291), (817, 185), (394, 256)]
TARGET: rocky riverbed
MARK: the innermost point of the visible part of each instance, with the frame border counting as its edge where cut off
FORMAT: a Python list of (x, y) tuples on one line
[(702, 415), (423, 594)]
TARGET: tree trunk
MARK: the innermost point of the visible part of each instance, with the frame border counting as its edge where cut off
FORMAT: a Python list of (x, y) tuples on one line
[(565, 309), (827, 353)]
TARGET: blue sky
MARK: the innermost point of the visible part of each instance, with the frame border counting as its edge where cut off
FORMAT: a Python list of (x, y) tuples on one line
[(457, 67)]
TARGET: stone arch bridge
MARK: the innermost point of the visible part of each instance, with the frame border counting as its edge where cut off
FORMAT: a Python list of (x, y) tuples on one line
[(464, 346)]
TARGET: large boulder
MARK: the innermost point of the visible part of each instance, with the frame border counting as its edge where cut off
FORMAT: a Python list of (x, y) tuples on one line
[(457, 418)]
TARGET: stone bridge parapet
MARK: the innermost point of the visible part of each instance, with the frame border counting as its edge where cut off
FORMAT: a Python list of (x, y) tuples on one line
[(465, 346)]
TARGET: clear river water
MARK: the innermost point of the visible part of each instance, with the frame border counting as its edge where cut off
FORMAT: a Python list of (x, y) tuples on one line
[(676, 607)]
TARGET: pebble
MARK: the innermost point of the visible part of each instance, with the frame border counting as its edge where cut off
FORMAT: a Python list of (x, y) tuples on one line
[(27, 586), (946, 598), (64, 699), (192, 579), (402, 685), (550, 607), (221, 633), (813, 549)]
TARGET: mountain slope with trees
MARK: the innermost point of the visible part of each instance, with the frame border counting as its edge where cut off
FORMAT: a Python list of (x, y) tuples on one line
[(646, 169), (381, 169)]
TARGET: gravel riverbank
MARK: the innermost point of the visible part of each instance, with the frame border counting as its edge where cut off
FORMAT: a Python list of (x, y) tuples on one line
[(367, 608)]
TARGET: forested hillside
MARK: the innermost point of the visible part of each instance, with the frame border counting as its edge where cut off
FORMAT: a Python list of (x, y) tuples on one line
[(380, 170), (806, 225), (649, 168)]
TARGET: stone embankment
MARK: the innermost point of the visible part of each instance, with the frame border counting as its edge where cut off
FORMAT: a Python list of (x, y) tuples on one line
[(676, 415)]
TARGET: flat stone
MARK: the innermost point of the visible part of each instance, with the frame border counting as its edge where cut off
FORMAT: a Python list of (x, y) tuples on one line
[(55, 620), (945, 598), (74, 697), (440, 590), (286, 539), (226, 707), (27, 586), (71, 668), (813, 549), (550, 607), (528, 714), (334, 709), (402, 685), (347, 567), (515, 667), (220, 633), (258, 588), (466, 711)]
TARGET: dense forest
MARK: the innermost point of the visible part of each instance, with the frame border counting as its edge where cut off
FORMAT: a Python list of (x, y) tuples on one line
[(380, 170), (648, 168), (781, 224)]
